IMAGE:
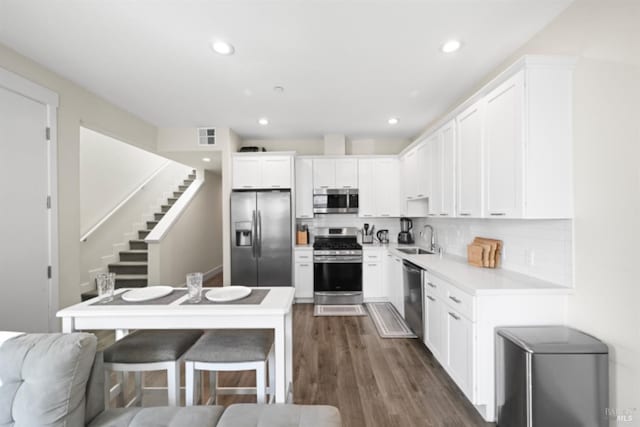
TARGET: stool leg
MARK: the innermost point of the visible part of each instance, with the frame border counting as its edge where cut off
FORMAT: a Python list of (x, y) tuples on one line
[(261, 379), (137, 399), (190, 383), (107, 388), (123, 380), (173, 383), (272, 375), (213, 387)]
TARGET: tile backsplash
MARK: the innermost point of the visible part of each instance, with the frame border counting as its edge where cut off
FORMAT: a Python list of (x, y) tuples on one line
[(352, 220), (538, 248)]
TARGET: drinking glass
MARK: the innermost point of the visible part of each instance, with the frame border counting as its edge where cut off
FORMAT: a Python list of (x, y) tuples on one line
[(106, 284), (194, 286)]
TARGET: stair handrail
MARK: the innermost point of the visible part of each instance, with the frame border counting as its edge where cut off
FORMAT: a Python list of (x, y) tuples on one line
[(175, 211), (123, 202)]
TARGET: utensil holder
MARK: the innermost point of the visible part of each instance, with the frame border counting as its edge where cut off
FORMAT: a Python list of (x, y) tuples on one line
[(367, 239)]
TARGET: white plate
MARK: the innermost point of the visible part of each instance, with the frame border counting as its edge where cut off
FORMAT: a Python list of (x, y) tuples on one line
[(227, 293), (146, 294)]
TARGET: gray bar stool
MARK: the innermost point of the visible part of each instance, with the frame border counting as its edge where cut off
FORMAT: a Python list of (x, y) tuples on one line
[(230, 350), (148, 350)]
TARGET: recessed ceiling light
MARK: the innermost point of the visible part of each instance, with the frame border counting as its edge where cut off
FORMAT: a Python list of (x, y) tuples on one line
[(393, 121), (206, 159), (222, 47), (451, 46), (263, 121)]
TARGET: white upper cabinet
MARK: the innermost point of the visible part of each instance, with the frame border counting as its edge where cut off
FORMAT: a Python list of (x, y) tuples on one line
[(367, 199), (469, 162), (324, 173), (410, 171), (335, 173), (346, 173), (304, 188), (379, 187), (504, 148), (386, 178), (434, 166), (448, 169), (422, 172), (261, 171)]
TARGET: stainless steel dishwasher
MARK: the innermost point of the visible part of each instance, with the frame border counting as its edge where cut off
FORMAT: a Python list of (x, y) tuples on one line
[(412, 280)]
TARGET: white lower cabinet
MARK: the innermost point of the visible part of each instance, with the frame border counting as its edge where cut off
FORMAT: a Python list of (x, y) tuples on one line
[(303, 273), (394, 283), (372, 280), (460, 331)]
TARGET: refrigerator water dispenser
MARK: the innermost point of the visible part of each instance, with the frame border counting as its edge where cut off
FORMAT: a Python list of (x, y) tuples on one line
[(243, 234)]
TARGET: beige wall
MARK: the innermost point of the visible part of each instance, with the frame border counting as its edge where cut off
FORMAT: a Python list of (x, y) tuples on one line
[(605, 38), (194, 242), (77, 107)]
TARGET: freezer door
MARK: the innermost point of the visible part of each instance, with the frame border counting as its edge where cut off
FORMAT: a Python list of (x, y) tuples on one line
[(274, 238), (244, 266)]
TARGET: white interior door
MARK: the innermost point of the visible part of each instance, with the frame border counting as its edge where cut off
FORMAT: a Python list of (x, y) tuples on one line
[(24, 217)]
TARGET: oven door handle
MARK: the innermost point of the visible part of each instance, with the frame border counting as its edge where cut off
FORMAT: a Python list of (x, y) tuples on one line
[(340, 293), (344, 260)]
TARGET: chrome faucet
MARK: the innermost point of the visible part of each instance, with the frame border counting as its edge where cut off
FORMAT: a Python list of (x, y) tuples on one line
[(432, 244)]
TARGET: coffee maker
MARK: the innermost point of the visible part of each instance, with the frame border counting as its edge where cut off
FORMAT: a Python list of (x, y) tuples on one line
[(405, 235)]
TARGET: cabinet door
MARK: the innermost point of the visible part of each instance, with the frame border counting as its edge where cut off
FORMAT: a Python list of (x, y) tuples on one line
[(346, 173), (372, 280), (304, 188), (386, 179), (433, 337), (423, 175), (469, 166), (435, 172), (387, 267), (398, 285), (459, 350), (367, 190), (275, 172), (448, 170), (304, 279), (504, 148), (246, 172), (324, 173), (410, 174)]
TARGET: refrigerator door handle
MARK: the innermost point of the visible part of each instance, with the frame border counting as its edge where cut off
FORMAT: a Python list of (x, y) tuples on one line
[(254, 231), (259, 234)]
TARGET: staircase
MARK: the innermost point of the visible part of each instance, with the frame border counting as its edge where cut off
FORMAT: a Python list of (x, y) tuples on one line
[(131, 270)]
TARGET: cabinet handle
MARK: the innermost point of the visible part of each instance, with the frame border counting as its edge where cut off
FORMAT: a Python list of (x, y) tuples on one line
[(385, 214), (431, 298), (497, 213), (454, 316), (431, 285), (247, 186), (324, 186), (372, 256), (464, 214), (454, 299), (275, 186), (420, 195), (304, 265), (433, 214), (346, 186), (444, 214), (367, 215), (303, 257), (372, 265)]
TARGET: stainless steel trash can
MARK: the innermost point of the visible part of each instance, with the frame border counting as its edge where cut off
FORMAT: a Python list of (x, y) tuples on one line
[(550, 376)]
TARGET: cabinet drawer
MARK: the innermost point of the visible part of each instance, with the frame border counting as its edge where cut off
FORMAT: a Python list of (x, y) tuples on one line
[(435, 286), (371, 256), (460, 301), (303, 256)]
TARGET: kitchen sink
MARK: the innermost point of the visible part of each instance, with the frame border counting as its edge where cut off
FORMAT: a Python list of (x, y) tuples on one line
[(415, 251)]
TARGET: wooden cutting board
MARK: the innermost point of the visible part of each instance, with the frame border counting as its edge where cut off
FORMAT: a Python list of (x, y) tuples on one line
[(475, 255), (495, 247)]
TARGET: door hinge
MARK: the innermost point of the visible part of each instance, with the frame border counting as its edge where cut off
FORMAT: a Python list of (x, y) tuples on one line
[(48, 272), (47, 133), (48, 202)]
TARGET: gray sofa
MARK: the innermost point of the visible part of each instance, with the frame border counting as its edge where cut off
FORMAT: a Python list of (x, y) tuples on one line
[(58, 380)]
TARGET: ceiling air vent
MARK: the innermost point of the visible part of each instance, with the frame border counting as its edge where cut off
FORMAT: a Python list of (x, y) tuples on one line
[(206, 136)]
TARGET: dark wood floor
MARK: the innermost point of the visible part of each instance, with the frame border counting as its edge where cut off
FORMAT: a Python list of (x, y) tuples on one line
[(342, 361)]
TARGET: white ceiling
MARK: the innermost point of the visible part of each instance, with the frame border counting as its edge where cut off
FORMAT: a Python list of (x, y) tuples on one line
[(346, 66)]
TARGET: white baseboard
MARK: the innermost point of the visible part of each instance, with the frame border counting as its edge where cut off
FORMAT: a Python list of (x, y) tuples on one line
[(213, 272)]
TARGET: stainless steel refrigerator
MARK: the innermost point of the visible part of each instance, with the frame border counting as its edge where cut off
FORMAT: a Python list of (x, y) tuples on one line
[(261, 238)]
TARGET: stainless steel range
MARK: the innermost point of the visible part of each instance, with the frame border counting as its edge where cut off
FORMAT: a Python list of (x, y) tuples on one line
[(337, 266)]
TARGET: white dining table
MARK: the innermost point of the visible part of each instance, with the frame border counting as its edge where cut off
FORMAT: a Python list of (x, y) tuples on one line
[(274, 312)]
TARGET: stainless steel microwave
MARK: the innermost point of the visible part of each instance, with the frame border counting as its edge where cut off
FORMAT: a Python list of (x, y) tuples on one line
[(328, 201)]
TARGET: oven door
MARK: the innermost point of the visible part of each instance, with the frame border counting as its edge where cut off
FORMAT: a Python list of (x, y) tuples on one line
[(337, 276)]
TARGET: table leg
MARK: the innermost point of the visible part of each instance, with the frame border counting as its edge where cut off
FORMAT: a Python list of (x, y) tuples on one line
[(67, 325), (280, 349), (289, 357)]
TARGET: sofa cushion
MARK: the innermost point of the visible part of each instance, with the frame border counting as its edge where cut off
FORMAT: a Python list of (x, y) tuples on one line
[(280, 415), (44, 378), (159, 417)]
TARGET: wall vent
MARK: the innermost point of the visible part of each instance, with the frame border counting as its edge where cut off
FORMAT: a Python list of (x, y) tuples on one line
[(206, 136)]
